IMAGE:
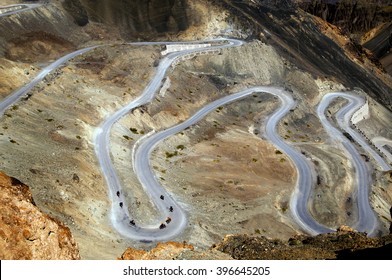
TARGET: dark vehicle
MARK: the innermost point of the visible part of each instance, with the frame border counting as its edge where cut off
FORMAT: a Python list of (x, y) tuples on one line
[(162, 197), (162, 226), (121, 204), (132, 223), (118, 193), (171, 209)]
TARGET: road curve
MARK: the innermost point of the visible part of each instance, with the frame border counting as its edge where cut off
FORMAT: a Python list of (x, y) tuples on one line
[(381, 143), (121, 218), (343, 118), (167, 207), (101, 137), (367, 220), (305, 178), (178, 218), (21, 92)]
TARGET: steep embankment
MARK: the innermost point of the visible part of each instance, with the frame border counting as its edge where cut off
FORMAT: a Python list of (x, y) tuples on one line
[(367, 23), (380, 44), (345, 244), (26, 232), (140, 17), (305, 46)]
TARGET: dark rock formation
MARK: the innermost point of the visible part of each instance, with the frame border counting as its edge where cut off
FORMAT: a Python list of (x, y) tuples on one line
[(315, 52), (77, 11), (138, 16), (343, 244), (351, 16), (381, 253), (390, 227)]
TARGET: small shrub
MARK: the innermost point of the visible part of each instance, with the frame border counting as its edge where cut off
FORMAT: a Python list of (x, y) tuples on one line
[(170, 155), (133, 130)]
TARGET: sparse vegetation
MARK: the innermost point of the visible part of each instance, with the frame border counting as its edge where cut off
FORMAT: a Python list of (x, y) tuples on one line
[(180, 147), (170, 155), (133, 130)]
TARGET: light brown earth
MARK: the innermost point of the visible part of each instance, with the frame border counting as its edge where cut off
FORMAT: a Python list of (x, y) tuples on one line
[(226, 175), (26, 232)]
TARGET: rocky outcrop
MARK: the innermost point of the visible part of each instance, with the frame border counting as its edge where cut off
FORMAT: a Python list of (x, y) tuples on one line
[(173, 251), (352, 16), (345, 243), (163, 251), (77, 11), (26, 232), (140, 16)]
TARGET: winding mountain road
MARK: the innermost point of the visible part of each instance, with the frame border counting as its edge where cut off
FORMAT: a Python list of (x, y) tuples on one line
[(167, 207), (178, 219), (367, 220), (172, 219), (385, 146)]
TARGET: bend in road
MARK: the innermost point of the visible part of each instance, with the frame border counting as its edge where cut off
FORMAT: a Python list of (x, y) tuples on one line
[(101, 137), (381, 143), (154, 189), (166, 205), (367, 221), (343, 118)]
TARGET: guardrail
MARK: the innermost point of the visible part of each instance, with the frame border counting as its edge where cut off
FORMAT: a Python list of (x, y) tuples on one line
[(368, 140), (182, 47), (361, 114)]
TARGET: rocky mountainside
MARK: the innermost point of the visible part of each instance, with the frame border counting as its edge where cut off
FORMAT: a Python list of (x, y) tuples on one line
[(367, 23), (26, 232), (46, 139), (345, 244)]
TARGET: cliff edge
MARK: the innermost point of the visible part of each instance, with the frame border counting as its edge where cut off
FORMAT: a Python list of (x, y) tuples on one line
[(26, 232)]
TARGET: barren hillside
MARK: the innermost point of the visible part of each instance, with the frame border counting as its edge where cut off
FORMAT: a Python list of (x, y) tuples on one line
[(223, 171)]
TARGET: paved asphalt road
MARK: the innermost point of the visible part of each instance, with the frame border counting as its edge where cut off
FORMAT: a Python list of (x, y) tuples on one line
[(168, 207), (17, 8), (367, 220)]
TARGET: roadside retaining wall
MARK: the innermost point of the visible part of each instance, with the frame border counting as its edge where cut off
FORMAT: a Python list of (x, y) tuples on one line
[(183, 47), (361, 114)]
